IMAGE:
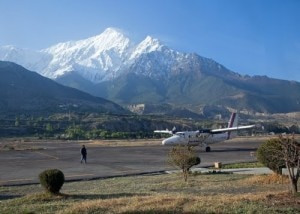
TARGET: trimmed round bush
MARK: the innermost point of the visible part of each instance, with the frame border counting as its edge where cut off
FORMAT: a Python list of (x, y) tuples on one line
[(270, 154), (52, 180)]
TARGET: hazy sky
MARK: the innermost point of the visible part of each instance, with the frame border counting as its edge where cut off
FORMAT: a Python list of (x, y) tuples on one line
[(255, 37)]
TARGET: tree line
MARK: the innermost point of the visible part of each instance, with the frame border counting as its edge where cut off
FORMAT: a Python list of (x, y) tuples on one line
[(109, 127)]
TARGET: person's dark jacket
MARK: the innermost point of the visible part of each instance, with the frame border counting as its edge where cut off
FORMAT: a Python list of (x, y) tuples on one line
[(83, 151)]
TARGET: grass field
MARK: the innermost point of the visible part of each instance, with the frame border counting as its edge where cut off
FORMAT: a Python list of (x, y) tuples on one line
[(168, 193)]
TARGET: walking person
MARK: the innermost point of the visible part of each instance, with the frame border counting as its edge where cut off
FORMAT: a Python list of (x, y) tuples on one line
[(83, 154)]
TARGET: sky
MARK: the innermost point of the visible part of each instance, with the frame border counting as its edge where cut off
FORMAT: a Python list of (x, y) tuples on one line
[(253, 37)]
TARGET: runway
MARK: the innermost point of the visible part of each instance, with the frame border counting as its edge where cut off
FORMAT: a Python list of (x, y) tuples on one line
[(23, 166)]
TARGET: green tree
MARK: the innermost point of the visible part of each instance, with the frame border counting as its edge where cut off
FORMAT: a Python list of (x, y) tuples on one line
[(280, 152), (93, 134), (104, 134), (265, 155), (49, 128), (75, 132), (294, 129)]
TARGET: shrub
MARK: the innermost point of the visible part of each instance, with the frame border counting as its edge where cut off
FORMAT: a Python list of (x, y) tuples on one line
[(183, 157), (267, 154), (52, 180), (193, 161)]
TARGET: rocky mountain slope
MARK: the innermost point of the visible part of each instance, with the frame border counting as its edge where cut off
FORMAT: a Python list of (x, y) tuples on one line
[(25, 91), (112, 66)]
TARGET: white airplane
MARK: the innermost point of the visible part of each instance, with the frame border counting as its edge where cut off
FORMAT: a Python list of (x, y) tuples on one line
[(204, 137)]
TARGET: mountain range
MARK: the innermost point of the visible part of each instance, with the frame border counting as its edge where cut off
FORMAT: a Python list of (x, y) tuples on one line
[(23, 91), (112, 66)]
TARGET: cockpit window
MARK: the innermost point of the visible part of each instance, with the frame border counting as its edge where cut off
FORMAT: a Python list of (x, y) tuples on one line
[(180, 134)]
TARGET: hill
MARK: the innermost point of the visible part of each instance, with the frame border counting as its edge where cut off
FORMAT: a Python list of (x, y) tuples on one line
[(196, 84), (25, 91)]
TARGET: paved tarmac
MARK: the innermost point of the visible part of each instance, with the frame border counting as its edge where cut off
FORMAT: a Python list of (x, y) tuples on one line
[(19, 167)]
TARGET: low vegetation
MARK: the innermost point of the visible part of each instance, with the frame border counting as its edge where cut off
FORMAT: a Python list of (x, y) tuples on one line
[(265, 155), (184, 158), (281, 152), (52, 180), (243, 165), (219, 193)]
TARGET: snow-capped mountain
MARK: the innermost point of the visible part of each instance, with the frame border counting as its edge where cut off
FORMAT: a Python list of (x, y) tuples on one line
[(99, 58), (32, 60), (112, 66)]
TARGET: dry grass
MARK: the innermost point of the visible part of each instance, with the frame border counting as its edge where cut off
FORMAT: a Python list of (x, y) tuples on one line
[(156, 194), (268, 179), (9, 145), (169, 203)]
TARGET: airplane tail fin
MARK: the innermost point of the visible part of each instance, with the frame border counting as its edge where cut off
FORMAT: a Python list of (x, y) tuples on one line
[(233, 127), (233, 122)]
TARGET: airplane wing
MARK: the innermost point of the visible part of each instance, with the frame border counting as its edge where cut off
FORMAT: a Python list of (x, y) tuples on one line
[(163, 131), (232, 129)]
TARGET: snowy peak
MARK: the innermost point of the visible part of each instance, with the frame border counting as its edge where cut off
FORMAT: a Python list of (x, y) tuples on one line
[(30, 59), (112, 32), (98, 58), (149, 44), (146, 46), (110, 39), (95, 57)]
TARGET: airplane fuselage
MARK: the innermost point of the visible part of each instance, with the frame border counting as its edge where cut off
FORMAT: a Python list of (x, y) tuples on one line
[(194, 138)]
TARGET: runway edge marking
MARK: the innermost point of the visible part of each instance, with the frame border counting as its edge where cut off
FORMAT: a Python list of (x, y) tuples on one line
[(47, 155)]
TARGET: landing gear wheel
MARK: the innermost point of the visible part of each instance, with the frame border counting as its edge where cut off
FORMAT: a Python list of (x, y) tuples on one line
[(207, 149)]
